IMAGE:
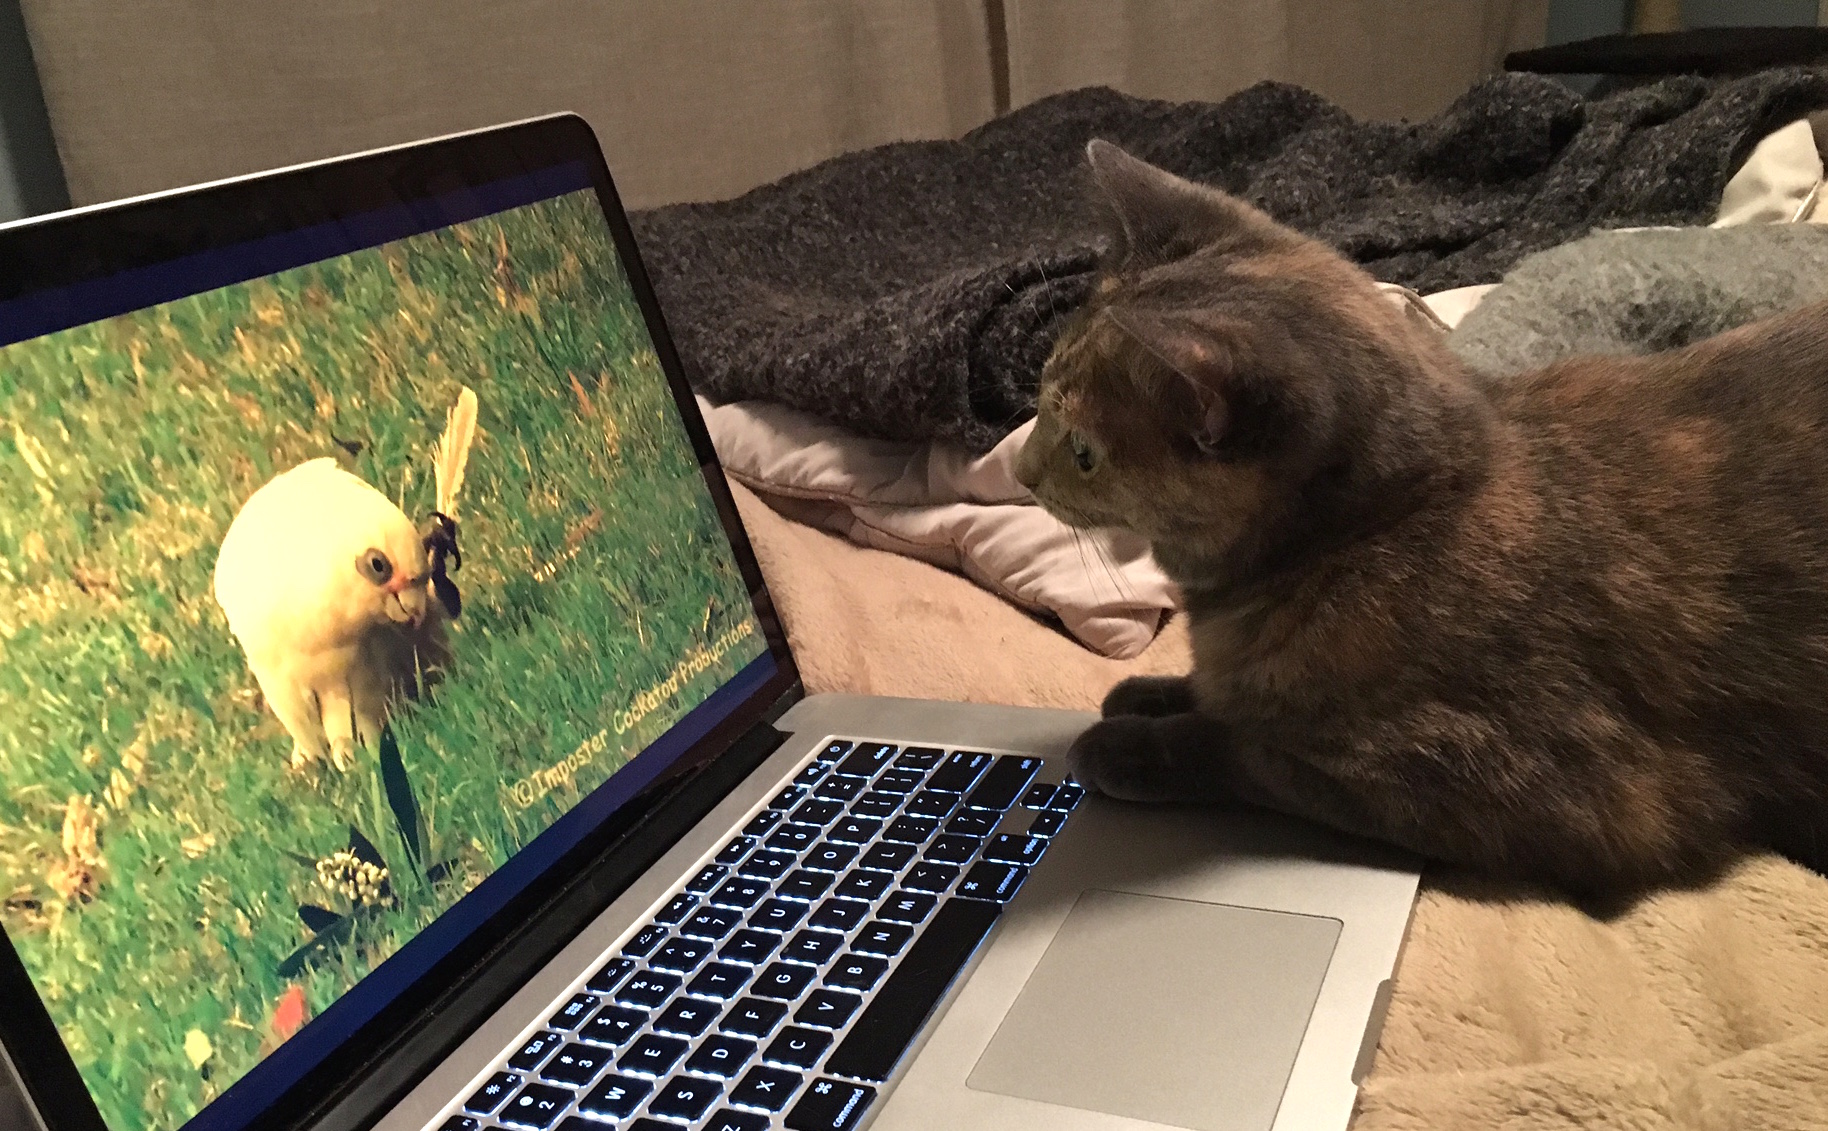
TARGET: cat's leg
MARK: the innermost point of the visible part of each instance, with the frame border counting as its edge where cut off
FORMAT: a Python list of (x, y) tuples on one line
[(1153, 695)]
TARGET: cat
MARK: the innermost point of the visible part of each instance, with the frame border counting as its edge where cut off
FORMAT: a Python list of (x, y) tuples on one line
[(1569, 628)]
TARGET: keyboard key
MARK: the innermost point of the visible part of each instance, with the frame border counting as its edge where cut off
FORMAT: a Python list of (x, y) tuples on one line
[(608, 978), (490, 1095), (677, 908), (750, 946), (687, 1017), (1006, 781), (802, 884), (987, 880), (788, 797), (903, 1003), (855, 830), (581, 1123), (956, 773), (538, 1048), (830, 857), (888, 857), (759, 825), (828, 1009), (644, 942), (1038, 795), (648, 989), (537, 1107), (778, 915), (753, 1017), (613, 1025), (766, 864), (840, 789), (685, 1097), (839, 915), (730, 1119), (652, 1125), (910, 830), (1015, 849), (711, 923), (735, 851), (950, 848), (834, 750), (706, 879), (720, 980), (882, 938), (766, 1088), (1047, 824), (865, 885), (721, 1056), (931, 803), (919, 758), (856, 972), (1067, 797), (797, 1047), (461, 1123), (616, 1096), (576, 1065), (867, 760), (792, 838), (831, 1105), (812, 947), (930, 875), (813, 773), (784, 980), (573, 1012), (907, 907), (876, 804), (740, 891), (652, 1055), (680, 955), (817, 812), (898, 781), (973, 822)]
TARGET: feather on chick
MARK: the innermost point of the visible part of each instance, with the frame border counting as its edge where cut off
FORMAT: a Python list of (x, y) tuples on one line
[(325, 583)]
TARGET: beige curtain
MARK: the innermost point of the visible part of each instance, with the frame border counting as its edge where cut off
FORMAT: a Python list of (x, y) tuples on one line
[(692, 99), (1377, 58)]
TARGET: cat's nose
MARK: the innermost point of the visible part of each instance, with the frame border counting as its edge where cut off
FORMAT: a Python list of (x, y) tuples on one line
[(1028, 465)]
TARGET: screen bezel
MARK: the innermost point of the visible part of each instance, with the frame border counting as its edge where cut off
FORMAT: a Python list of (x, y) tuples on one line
[(71, 247)]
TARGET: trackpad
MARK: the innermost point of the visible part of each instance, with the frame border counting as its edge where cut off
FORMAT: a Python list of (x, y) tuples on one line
[(1168, 1010)]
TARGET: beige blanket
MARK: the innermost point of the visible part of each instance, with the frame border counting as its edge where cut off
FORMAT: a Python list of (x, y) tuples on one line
[(1514, 1010)]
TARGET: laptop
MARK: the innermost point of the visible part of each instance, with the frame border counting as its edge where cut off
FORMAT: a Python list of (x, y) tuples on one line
[(396, 731)]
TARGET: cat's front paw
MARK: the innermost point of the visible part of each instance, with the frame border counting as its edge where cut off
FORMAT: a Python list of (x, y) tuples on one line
[(1125, 758), (1151, 695)]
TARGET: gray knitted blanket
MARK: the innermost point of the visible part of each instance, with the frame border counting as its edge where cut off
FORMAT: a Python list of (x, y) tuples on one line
[(1641, 292), (913, 291)]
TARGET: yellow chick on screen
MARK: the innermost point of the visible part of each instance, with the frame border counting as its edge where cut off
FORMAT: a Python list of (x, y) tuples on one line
[(337, 599)]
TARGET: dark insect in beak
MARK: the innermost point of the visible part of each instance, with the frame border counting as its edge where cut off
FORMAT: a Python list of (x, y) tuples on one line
[(440, 538)]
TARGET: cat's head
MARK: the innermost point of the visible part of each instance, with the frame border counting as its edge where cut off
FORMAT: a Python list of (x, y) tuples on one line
[(1227, 377)]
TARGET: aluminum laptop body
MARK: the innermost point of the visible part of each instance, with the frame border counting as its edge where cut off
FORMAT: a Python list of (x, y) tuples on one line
[(396, 731)]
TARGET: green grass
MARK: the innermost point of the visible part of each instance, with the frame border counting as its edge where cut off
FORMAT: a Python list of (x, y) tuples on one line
[(592, 564)]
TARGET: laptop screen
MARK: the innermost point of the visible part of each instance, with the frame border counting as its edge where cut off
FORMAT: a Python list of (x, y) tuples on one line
[(348, 576)]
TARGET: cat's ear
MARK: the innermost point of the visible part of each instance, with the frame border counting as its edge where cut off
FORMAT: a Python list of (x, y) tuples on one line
[(1203, 358), (1155, 216)]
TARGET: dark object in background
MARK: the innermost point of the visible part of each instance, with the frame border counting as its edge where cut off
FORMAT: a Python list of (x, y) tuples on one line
[(1718, 51), (913, 291)]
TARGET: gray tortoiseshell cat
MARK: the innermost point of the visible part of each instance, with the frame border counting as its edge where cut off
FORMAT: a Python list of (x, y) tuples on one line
[(1570, 628)]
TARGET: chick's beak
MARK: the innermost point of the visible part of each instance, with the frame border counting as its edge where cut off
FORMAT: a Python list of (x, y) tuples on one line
[(407, 604)]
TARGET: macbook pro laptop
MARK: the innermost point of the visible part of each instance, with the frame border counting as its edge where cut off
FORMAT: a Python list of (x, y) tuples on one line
[(396, 731)]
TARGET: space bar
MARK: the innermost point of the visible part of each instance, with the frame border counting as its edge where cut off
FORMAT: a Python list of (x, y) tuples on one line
[(902, 1005)]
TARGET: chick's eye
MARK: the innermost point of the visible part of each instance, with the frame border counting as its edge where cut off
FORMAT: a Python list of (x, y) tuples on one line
[(1083, 455), (375, 566)]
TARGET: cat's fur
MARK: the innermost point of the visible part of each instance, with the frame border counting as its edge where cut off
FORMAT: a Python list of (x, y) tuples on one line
[(1573, 628)]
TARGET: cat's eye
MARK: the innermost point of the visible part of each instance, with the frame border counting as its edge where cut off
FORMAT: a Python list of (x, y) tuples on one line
[(375, 566), (1083, 455)]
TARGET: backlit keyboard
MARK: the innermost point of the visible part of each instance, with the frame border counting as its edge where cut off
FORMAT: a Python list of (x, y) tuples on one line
[(780, 986)]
